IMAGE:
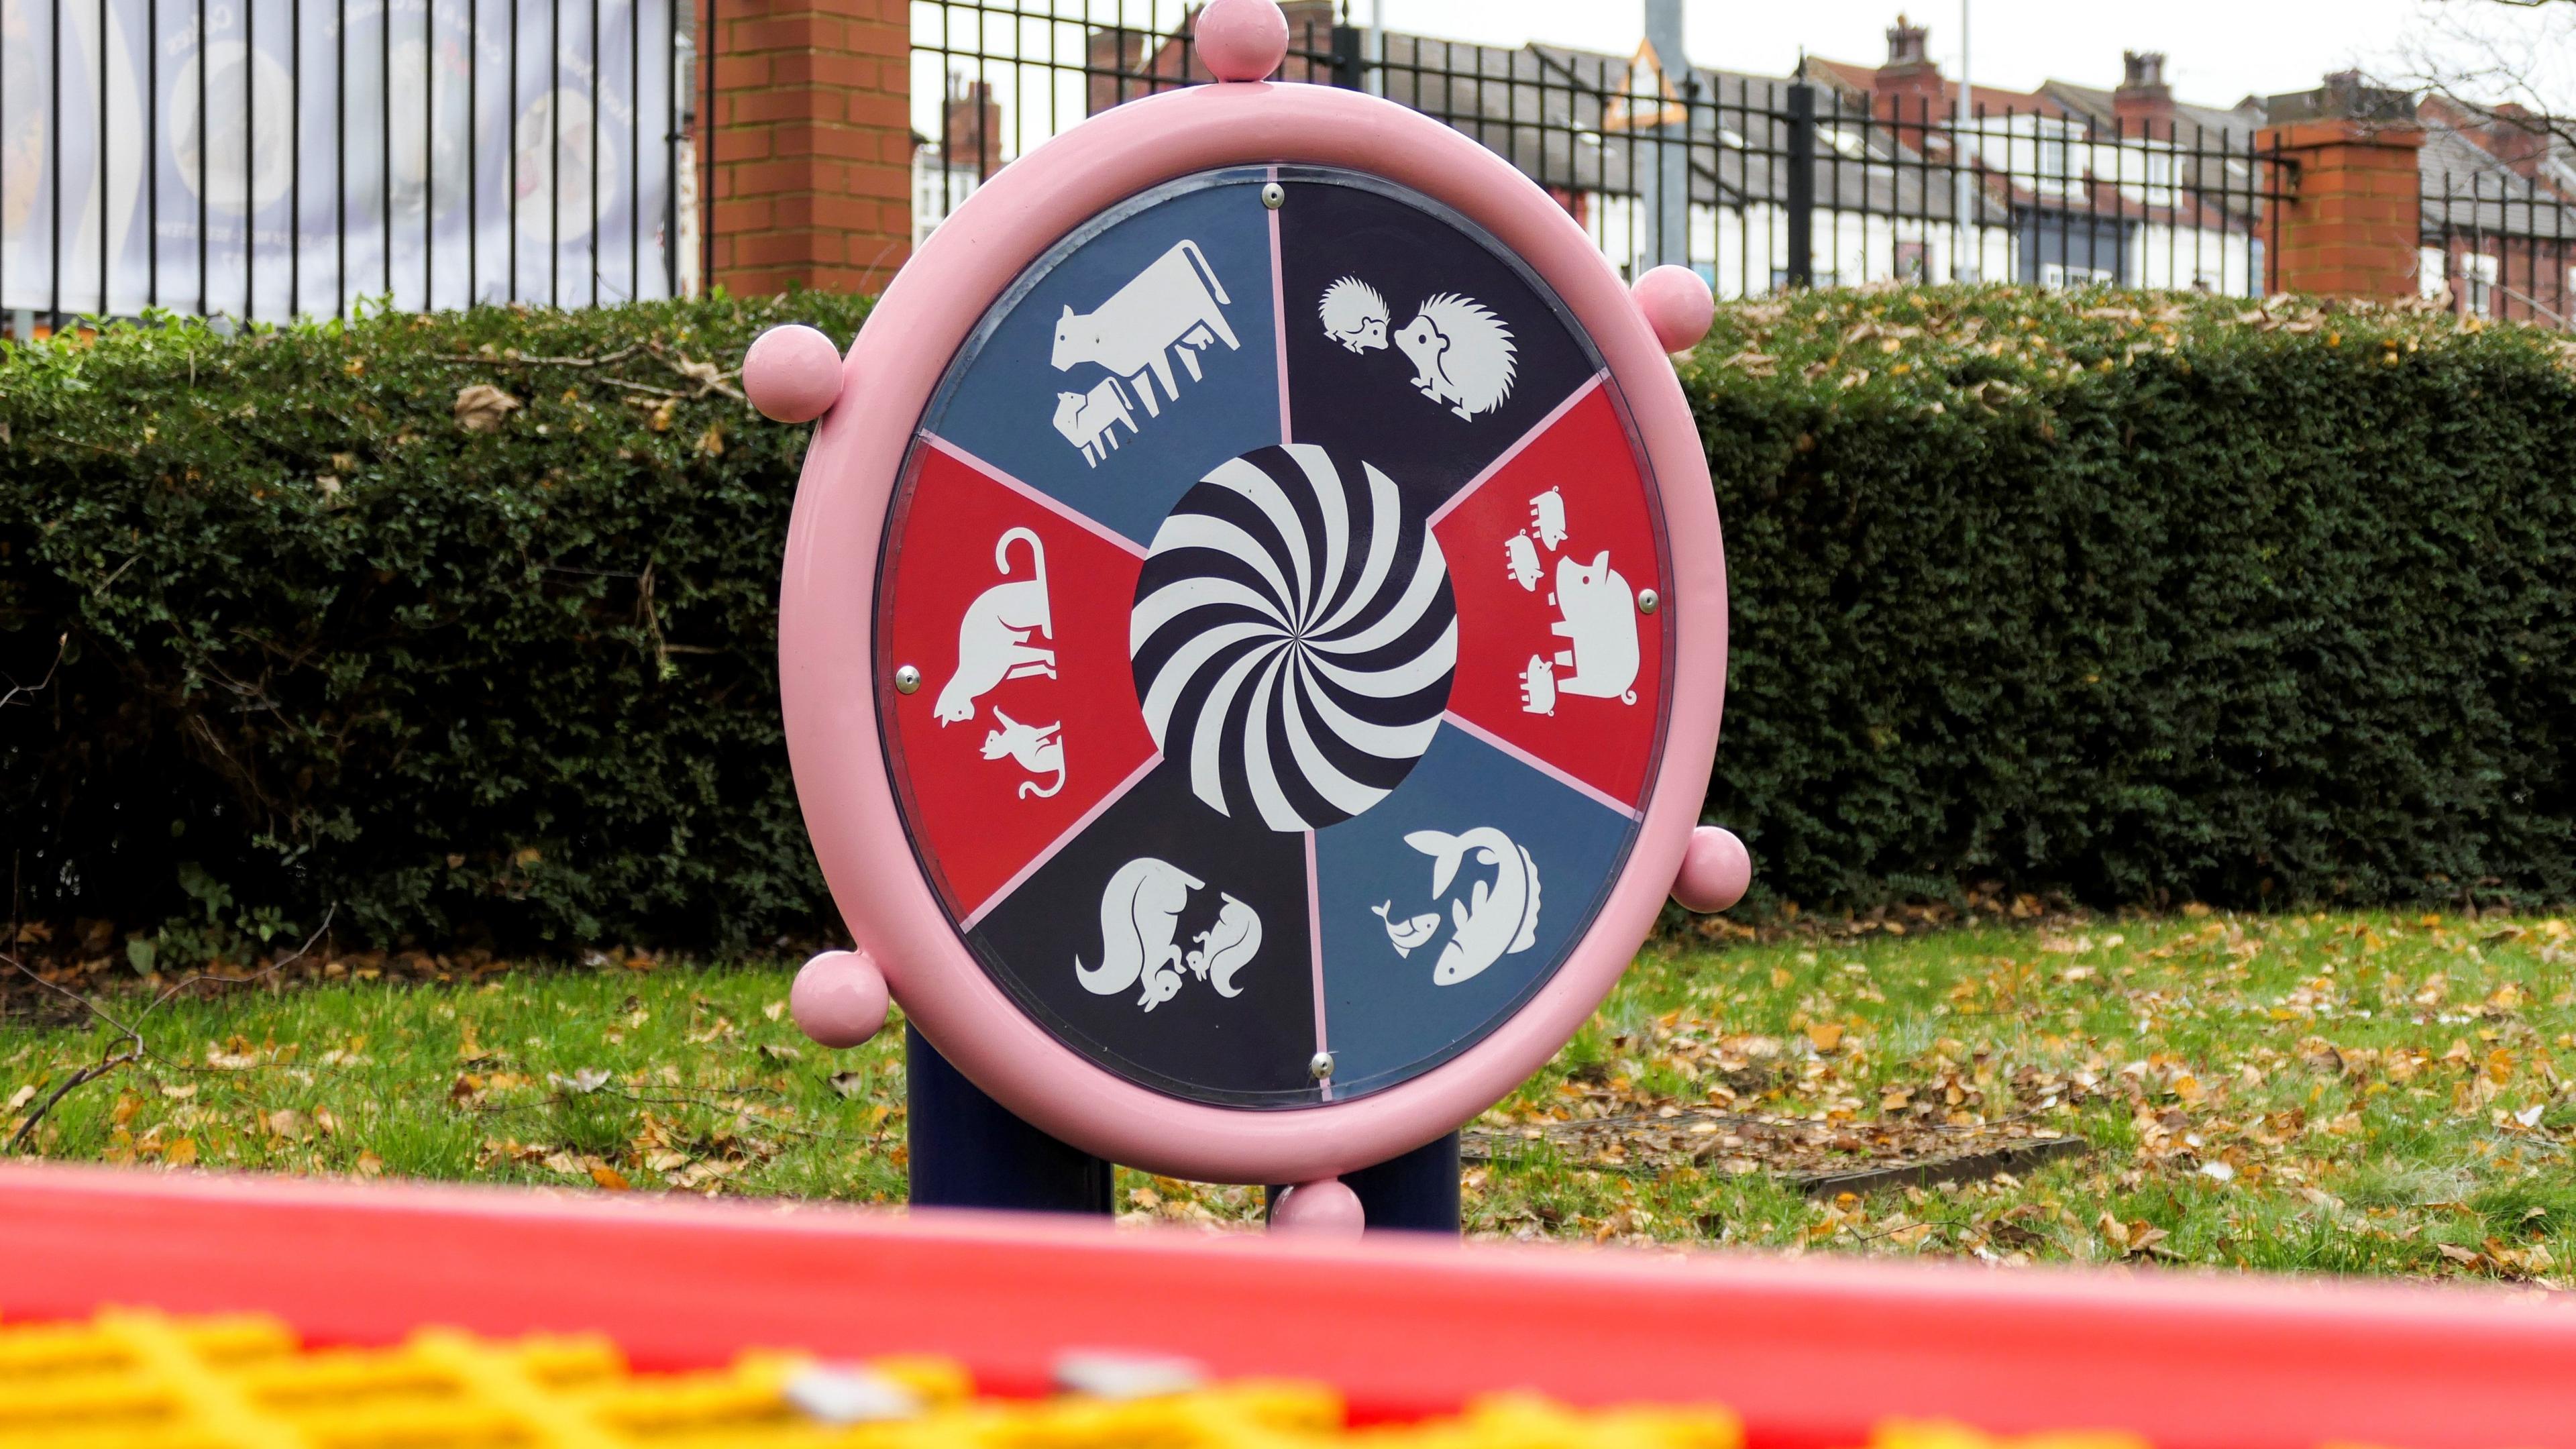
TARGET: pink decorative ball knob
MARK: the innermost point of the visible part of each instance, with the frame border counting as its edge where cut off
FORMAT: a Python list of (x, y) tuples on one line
[(1321, 1209), (1716, 868), (1677, 305), (792, 374), (839, 998), (1242, 40)]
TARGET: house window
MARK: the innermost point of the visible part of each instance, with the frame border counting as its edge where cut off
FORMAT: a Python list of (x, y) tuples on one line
[(2160, 178), (1844, 141), (2051, 162), (2432, 273), (2478, 278)]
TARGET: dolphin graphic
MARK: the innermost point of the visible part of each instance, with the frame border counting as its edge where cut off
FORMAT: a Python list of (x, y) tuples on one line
[(1498, 917)]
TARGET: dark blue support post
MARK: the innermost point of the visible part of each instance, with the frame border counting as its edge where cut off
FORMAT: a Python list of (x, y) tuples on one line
[(968, 1151), (1414, 1193), (1801, 181)]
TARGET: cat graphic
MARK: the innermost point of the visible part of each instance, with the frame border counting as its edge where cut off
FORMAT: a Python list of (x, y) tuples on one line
[(1038, 748), (993, 636)]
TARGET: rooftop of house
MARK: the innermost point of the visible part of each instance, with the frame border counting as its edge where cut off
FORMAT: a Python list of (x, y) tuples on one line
[(1562, 115)]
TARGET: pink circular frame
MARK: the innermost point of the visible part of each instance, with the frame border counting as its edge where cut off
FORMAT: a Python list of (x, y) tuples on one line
[(827, 603)]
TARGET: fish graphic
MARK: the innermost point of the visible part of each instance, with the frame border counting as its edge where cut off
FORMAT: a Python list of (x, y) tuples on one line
[(1405, 935), (1498, 917)]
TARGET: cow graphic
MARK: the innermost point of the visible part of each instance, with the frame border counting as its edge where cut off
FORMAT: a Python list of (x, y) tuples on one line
[(1177, 302)]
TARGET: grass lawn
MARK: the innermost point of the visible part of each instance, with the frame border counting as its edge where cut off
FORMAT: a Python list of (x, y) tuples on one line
[(2348, 1093)]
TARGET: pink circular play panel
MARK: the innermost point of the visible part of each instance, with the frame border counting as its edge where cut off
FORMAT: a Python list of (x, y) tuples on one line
[(1253, 634)]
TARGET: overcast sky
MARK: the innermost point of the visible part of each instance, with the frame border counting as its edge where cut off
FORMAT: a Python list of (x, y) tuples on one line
[(2219, 50)]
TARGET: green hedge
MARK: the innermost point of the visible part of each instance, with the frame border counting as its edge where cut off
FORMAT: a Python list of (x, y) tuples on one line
[(2140, 599), (2110, 595), (330, 645)]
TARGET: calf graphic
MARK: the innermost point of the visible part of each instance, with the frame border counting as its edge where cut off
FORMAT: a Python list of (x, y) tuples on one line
[(1176, 302), (1090, 420)]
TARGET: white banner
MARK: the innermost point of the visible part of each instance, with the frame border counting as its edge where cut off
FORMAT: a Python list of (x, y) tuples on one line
[(311, 155)]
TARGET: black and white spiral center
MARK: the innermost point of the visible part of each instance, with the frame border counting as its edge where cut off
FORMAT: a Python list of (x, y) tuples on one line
[(1294, 637)]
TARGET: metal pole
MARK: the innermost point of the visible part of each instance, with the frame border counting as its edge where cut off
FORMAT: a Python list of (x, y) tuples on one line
[(1963, 260), (1802, 184), (1376, 84), (1672, 143)]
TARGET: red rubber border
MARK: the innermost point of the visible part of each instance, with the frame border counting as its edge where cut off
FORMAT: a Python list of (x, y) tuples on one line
[(1811, 1352)]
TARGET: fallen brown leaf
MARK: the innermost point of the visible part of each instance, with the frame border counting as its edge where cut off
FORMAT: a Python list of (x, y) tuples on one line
[(482, 408)]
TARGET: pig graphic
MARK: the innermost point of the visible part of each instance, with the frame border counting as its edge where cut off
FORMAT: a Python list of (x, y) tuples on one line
[(1599, 626), (1547, 517)]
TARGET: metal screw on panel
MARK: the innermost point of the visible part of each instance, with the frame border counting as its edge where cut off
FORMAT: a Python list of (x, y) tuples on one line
[(1320, 1066), (1274, 196), (1648, 601), (906, 679)]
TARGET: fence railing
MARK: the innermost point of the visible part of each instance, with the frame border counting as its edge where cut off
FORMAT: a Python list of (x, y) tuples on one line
[(2498, 244), (1757, 182), (268, 158)]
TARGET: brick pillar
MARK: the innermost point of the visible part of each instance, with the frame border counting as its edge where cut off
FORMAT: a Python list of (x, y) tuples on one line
[(812, 143), (2356, 216)]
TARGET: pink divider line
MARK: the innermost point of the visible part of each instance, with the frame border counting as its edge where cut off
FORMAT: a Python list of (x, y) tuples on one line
[(1315, 946), (1051, 504), (1279, 321), (1514, 451), (1590, 792), (1021, 876)]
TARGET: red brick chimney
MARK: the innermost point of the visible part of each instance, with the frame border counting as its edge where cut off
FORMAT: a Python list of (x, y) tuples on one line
[(2144, 104), (2517, 138), (1908, 89), (1122, 69), (1310, 29), (1114, 55), (973, 134)]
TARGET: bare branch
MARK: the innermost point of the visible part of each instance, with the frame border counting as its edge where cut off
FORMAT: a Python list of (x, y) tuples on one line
[(61, 645), (506, 360), (133, 1047), (2498, 63), (208, 978)]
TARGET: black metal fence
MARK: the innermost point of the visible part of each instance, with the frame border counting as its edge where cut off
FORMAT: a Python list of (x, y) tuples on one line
[(2497, 243), (269, 158), (1757, 182)]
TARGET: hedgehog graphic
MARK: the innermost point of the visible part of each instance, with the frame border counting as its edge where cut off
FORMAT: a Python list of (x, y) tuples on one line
[(1462, 354), (1354, 315)]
